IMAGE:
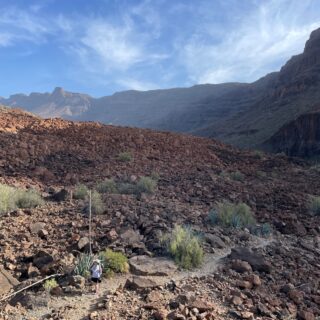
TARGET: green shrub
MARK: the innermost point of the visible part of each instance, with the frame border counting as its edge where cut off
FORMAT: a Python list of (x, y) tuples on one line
[(113, 262), (314, 206), (28, 199), (83, 265), (97, 205), (50, 284), (81, 192), (155, 176), (233, 215), (146, 185), (213, 217), (237, 176), (12, 198), (125, 157), (263, 230), (107, 186), (184, 246), (7, 202)]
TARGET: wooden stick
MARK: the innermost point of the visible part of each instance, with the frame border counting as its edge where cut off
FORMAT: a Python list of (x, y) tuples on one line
[(30, 286)]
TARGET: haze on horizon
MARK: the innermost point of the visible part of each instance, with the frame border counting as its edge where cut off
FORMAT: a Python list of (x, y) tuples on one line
[(99, 47)]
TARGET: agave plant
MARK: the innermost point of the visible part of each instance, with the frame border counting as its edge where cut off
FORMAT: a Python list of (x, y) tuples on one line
[(83, 264)]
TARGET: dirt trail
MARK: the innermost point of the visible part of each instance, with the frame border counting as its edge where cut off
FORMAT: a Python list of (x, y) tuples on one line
[(81, 306)]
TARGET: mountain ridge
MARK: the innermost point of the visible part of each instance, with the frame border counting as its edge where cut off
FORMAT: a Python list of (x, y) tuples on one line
[(242, 114)]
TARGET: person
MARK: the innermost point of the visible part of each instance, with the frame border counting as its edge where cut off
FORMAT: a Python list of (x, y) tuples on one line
[(96, 273)]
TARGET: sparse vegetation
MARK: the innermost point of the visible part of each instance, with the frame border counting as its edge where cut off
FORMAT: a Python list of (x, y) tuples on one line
[(97, 205), (107, 186), (12, 198), (146, 185), (184, 246), (28, 199), (7, 202), (232, 215), (81, 191), (263, 230), (50, 284), (237, 176), (125, 157), (314, 205), (258, 154), (83, 265), (113, 262)]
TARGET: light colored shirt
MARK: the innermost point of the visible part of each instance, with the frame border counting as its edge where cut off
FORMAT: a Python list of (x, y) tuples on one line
[(96, 271)]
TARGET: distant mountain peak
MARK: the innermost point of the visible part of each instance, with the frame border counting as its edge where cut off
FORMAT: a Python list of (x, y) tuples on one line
[(58, 91)]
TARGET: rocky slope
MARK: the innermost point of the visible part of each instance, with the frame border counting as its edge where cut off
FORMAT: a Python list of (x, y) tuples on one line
[(244, 115), (278, 280), (299, 137)]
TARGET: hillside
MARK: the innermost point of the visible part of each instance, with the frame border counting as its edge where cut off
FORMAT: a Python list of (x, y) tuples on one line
[(191, 174), (244, 115)]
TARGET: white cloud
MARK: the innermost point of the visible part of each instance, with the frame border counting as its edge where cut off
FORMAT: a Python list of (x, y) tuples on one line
[(134, 84), (264, 40), (17, 25), (115, 46)]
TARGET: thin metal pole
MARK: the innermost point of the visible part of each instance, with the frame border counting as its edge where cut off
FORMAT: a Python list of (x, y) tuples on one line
[(90, 217)]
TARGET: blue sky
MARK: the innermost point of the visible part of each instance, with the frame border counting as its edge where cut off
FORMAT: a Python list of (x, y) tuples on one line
[(102, 46)]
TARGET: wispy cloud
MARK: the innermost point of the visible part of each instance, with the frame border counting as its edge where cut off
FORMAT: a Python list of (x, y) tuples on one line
[(265, 38), (147, 44), (19, 25)]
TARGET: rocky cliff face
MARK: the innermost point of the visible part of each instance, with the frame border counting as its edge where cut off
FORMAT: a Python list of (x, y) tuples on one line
[(300, 137)]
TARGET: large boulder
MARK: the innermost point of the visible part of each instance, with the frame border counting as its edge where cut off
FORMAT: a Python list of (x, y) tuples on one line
[(142, 283), (146, 266), (7, 281), (256, 261)]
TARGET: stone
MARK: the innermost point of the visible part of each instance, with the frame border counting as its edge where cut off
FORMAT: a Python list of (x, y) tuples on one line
[(62, 195), (254, 279), (305, 315), (42, 259), (141, 283), (112, 235), (257, 262), (201, 305), (7, 281), (145, 265), (214, 241), (36, 227), (237, 301), (241, 266), (83, 243), (296, 296), (242, 284)]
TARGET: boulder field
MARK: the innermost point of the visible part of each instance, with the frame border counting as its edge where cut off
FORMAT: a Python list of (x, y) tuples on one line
[(276, 279)]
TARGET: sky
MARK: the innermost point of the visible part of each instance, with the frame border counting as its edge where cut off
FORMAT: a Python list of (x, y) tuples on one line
[(103, 46)]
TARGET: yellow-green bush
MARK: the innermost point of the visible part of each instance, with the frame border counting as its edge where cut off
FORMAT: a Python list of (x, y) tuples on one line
[(184, 247), (12, 198), (107, 186), (81, 191), (97, 205), (229, 214), (50, 284), (7, 202), (125, 157), (114, 262), (28, 199), (146, 185)]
